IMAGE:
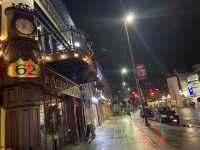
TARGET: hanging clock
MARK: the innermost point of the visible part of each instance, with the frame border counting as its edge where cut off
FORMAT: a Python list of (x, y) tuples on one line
[(24, 26)]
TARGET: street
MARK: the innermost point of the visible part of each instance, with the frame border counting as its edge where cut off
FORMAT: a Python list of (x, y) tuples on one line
[(189, 115), (125, 133)]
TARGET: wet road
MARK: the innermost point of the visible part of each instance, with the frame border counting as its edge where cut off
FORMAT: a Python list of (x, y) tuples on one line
[(125, 133), (189, 115), (179, 138)]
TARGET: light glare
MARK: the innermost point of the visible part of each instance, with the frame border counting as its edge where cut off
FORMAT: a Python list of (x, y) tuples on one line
[(77, 44), (130, 18), (124, 71)]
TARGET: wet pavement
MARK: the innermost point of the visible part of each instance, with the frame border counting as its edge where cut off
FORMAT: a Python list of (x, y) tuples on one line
[(125, 133), (189, 115)]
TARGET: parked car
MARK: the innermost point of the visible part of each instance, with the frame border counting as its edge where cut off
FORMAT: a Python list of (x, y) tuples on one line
[(198, 99), (149, 113), (165, 115)]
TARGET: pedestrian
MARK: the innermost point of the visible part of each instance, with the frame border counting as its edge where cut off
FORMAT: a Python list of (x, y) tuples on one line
[(92, 130), (129, 113), (87, 135)]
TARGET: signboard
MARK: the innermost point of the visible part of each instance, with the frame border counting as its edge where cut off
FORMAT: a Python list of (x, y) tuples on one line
[(23, 69), (141, 72), (61, 84), (190, 89)]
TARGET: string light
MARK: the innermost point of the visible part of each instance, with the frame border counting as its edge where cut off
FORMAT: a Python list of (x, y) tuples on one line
[(48, 58), (63, 56), (85, 59), (76, 55)]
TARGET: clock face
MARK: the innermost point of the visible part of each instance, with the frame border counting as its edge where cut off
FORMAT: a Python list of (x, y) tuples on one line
[(24, 26)]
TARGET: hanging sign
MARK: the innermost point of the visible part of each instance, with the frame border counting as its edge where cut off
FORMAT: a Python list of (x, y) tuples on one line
[(141, 72), (23, 69)]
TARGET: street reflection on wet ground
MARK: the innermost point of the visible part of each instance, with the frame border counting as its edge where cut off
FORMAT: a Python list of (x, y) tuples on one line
[(183, 138), (126, 133)]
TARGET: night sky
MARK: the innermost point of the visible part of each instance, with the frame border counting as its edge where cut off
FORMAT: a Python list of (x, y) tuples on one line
[(166, 35)]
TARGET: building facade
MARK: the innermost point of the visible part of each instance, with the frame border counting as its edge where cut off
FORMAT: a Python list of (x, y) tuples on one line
[(44, 104), (184, 87)]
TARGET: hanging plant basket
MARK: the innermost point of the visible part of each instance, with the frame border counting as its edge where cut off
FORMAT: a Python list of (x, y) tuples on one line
[(53, 120)]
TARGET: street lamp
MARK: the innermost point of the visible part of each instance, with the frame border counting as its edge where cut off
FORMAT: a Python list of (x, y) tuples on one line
[(130, 18), (124, 71), (123, 83)]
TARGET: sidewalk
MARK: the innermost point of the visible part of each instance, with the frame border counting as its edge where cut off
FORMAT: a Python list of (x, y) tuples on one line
[(122, 133)]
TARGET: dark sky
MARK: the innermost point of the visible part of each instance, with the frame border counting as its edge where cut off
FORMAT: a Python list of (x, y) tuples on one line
[(166, 34)]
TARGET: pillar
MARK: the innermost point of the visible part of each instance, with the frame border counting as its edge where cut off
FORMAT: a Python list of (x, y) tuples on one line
[(22, 117), (21, 79)]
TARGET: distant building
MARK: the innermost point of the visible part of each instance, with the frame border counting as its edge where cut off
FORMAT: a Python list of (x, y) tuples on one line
[(174, 91), (194, 85), (185, 87)]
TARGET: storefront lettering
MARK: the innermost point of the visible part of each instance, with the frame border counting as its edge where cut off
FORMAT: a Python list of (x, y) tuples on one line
[(64, 86), (23, 69)]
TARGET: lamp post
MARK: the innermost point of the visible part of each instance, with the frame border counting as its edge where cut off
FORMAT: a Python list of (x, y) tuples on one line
[(127, 20), (124, 71)]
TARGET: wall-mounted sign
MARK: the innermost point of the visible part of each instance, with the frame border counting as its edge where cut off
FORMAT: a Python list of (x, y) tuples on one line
[(23, 69), (190, 89), (54, 81), (141, 72)]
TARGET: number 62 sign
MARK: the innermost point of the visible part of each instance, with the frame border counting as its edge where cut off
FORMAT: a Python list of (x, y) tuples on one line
[(23, 69)]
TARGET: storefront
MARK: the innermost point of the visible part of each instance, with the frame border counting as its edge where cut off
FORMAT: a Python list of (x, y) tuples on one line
[(61, 112)]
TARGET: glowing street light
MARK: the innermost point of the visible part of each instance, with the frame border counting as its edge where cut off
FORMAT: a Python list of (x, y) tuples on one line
[(129, 18), (123, 83), (128, 89), (124, 71)]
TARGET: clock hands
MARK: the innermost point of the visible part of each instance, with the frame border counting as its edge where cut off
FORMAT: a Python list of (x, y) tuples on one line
[(23, 25)]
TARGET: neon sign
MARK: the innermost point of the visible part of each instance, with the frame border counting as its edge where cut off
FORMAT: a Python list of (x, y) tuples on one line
[(23, 69), (190, 89)]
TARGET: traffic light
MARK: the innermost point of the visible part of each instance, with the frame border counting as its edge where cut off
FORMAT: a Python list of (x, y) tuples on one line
[(151, 93), (135, 94)]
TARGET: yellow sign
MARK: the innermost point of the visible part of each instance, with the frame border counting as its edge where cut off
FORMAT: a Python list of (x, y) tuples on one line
[(23, 69)]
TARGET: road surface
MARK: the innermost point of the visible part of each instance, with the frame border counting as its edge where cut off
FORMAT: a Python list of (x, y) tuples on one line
[(125, 133)]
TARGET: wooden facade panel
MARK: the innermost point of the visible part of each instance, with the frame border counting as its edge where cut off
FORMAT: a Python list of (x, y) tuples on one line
[(25, 123), (12, 125), (12, 94), (26, 93), (22, 128), (34, 127)]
